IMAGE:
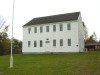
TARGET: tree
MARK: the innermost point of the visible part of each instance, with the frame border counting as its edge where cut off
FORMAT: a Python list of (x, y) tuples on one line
[(2, 22), (92, 38), (4, 40), (17, 46), (3, 26), (4, 43)]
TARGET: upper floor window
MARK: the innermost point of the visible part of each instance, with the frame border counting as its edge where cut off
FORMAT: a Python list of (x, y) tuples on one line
[(68, 26), (54, 28), (29, 30), (35, 29), (61, 42), (41, 29), (69, 42), (61, 27), (47, 28), (29, 43), (35, 44), (41, 43), (54, 42)]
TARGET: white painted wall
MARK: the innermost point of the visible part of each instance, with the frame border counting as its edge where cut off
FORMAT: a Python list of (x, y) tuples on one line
[(81, 34), (75, 34)]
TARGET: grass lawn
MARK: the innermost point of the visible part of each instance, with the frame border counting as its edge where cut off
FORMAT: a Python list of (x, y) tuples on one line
[(52, 64)]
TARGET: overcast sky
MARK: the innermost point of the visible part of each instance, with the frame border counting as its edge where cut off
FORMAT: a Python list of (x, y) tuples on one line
[(25, 10)]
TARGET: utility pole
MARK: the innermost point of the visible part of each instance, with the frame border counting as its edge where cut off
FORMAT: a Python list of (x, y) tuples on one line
[(11, 56)]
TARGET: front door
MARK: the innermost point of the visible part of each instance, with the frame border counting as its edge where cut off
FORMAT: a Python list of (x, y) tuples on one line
[(47, 45)]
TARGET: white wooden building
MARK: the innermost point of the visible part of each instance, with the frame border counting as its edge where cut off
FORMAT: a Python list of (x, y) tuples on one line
[(57, 33)]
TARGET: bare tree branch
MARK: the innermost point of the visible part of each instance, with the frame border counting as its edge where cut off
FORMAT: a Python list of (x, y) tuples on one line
[(3, 26), (2, 22)]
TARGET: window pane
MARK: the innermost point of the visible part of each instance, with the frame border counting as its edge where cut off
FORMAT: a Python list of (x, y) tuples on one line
[(41, 29), (47, 28), (35, 43), (54, 28), (61, 27), (69, 42), (29, 43), (54, 42), (68, 26), (35, 29), (29, 30), (41, 44), (61, 42)]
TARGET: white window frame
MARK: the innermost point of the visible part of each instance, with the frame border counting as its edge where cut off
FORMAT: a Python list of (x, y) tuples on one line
[(61, 42), (47, 28), (29, 30), (69, 26), (54, 28), (61, 27), (69, 42), (41, 29), (35, 29), (29, 43), (54, 42), (35, 43), (41, 43)]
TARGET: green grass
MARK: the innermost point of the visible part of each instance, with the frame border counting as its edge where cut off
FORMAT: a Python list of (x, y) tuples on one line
[(52, 64)]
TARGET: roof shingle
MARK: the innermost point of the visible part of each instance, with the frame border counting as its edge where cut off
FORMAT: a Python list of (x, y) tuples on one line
[(54, 18)]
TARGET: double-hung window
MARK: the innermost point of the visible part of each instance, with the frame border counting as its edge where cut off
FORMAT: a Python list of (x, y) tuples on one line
[(69, 42), (61, 27), (35, 44), (41, 43), (29, 43), (41, 29), (29, 30), (54, 28), (61, 42), (68, 26), (47, 28), (54, 42), (35, 29)]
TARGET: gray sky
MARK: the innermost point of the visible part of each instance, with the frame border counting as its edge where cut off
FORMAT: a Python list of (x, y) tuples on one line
[(25, 10)]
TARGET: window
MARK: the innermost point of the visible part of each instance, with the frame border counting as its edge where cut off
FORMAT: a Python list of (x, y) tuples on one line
[(61, 42), (47, 28), (54, 28), (61, 27), (54, 42), (29, 30), (68, 26), (41, 29), (41, 43), (35, 43), (69, 42), (35, 29), (29, 43)]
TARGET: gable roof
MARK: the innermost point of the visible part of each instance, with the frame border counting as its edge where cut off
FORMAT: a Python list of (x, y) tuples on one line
[(54, 18)]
